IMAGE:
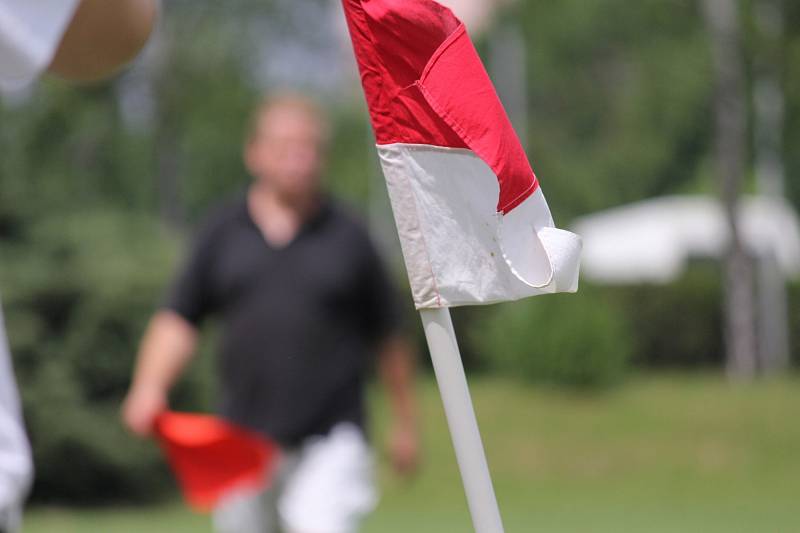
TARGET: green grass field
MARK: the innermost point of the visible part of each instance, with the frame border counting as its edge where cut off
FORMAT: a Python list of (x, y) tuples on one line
[(680, 454)]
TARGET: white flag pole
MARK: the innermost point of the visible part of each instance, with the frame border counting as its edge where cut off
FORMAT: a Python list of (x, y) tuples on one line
[(461, 419)]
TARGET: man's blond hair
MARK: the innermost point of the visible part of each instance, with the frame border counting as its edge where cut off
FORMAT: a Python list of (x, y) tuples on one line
[(293, 101)]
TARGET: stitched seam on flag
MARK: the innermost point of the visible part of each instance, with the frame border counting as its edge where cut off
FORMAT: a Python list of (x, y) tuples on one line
[(455, 126), (424, 242), (441, 50), (432, 147), (446, 117), (509, 206)]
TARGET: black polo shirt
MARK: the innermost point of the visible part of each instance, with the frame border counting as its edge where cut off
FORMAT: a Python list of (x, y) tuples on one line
[(299, 323)]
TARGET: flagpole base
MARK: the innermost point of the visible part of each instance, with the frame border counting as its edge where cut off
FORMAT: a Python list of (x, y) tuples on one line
[(461, 419)]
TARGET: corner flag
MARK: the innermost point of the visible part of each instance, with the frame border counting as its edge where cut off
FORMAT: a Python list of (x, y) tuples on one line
[(474, 225)]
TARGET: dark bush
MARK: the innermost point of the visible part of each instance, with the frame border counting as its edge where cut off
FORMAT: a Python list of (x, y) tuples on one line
[(794, 323), (76, 304), (579, 339), (679, 324)]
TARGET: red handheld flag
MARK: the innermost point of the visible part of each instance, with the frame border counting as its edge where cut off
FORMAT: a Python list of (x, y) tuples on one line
[(211, 457)]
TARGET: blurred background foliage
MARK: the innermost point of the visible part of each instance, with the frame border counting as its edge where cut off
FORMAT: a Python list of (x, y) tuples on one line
[(101, 186)]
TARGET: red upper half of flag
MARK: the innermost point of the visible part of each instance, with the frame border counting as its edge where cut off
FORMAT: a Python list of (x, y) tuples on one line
[(425, 84)]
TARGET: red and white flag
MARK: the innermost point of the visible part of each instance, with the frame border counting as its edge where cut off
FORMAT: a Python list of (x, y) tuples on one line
[(474, 225)]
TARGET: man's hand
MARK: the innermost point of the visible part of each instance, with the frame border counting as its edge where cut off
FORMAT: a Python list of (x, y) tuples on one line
[(403, 448), (166, 348), (397, 373), (141, 407)]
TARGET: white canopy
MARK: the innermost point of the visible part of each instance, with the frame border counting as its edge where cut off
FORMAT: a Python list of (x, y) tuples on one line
[(652, 241)]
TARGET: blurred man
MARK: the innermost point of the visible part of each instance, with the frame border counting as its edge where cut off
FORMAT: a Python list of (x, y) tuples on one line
[(77, 40), (304, 301)]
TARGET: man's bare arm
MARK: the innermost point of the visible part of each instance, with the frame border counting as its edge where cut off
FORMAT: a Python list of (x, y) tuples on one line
[(166, 348), (397, 367)]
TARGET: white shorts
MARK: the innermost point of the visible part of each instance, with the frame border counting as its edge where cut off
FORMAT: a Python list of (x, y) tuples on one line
[(326, 486)]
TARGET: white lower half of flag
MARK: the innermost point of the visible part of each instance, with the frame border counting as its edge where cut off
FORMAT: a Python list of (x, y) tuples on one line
[(458, 250)]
